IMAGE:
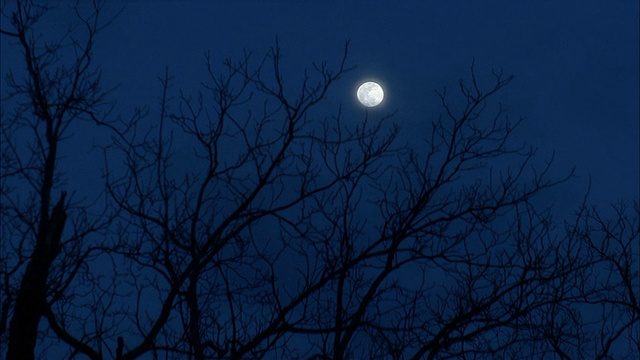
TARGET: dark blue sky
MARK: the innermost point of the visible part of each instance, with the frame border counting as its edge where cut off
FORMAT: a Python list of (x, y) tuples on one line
[(575, 65)]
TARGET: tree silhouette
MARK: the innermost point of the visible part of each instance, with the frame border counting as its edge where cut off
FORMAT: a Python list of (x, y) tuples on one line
[(57, 95), (282, 232)]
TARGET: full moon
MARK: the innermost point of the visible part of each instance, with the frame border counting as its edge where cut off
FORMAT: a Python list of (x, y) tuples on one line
[(370, 94)]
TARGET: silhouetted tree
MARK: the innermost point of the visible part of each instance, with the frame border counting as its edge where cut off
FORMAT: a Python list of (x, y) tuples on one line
[(49, 100), (281, 232), (603, 303)]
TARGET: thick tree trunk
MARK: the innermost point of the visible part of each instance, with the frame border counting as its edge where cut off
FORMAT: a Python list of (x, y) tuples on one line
[(32, 296)]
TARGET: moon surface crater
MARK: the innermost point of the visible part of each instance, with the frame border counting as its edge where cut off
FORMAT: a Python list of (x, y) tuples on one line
[(370, 94)]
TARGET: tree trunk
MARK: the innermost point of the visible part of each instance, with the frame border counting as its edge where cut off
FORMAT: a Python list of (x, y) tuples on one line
[(194, 317), (32, 296)]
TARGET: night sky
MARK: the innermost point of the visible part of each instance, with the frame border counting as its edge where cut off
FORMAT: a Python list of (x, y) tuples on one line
[(575, 65), (576, 68)]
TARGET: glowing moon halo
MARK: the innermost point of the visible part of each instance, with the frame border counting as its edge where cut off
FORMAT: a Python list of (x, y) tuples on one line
[(370, 94)]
